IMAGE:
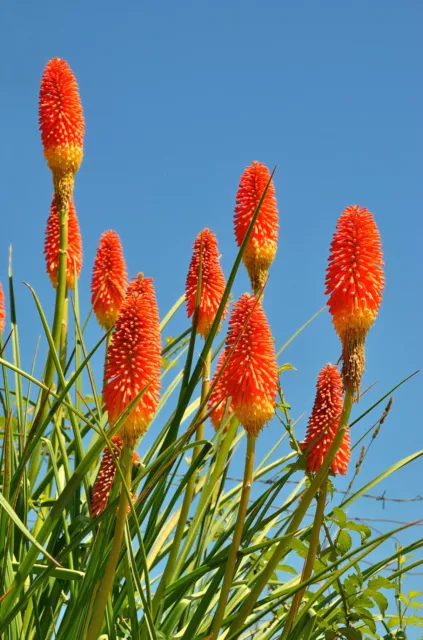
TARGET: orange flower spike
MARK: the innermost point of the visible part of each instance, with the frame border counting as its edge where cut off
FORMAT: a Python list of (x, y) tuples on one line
[(52, 245), (109, 279), (251, 375), (212, 281), (218, 397), (62, 126), (2, 311), (324, 421), (134, 361), (262, 244), (354, 283), (105, 477)]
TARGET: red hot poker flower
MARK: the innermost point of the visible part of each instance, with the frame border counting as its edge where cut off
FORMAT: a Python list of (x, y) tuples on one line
[(212, 281), (354, 283), (62, 125), (218, 398), (134, 361), (251, 374), (52, 245), (105, 477), (261, 248), (109, 279), (324, 421), (2, 311)]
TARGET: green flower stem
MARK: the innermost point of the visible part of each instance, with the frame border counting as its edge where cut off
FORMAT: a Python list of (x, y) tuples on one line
[(102, 595), (189, 494), (64, 333), (59, 308), (236, 540), (311, 557), (108, 341), (90, 609), (6, 397), (264, 577), (399, 591), (56, 436)]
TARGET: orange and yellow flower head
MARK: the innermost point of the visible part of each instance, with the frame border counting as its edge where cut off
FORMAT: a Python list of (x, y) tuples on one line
[(212, 281), (52, 245), (109, 279), (134, 361), (62, 126), (262, 244), (2, 311), (354, 284), (251, 374), (218, 401), (324, 422), (106, 475)]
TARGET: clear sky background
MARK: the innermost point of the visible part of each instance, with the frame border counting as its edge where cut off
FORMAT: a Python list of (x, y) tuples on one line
[(179, 97)]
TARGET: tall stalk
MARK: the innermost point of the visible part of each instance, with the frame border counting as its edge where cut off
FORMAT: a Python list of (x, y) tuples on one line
[(108, 341), (311, 557), (99, 607), (60, 305), (236, 540), (189, 494), (64, 333), (56, 333)]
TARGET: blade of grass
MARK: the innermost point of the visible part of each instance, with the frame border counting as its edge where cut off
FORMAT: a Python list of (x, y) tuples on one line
[(15, 349), (172, 312), (13, 516), (297, 333)]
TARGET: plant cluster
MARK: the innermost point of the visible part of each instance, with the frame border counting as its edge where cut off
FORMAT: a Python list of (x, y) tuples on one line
[(99, 540)]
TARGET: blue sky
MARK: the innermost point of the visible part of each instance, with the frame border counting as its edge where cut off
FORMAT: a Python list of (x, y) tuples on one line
[(178, 99)]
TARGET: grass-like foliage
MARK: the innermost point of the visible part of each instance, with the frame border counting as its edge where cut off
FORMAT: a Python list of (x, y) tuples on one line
[(164, 544)]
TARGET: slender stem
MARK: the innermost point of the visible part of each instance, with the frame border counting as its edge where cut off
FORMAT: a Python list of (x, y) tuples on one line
[(60, 304), (189, 494), (125, 460), (108, 341), (90, 609), (400, 613), (6, 407), (311, 557), (55, 333), (265, 575), (236, 540), (64, 333), (205, 386)]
